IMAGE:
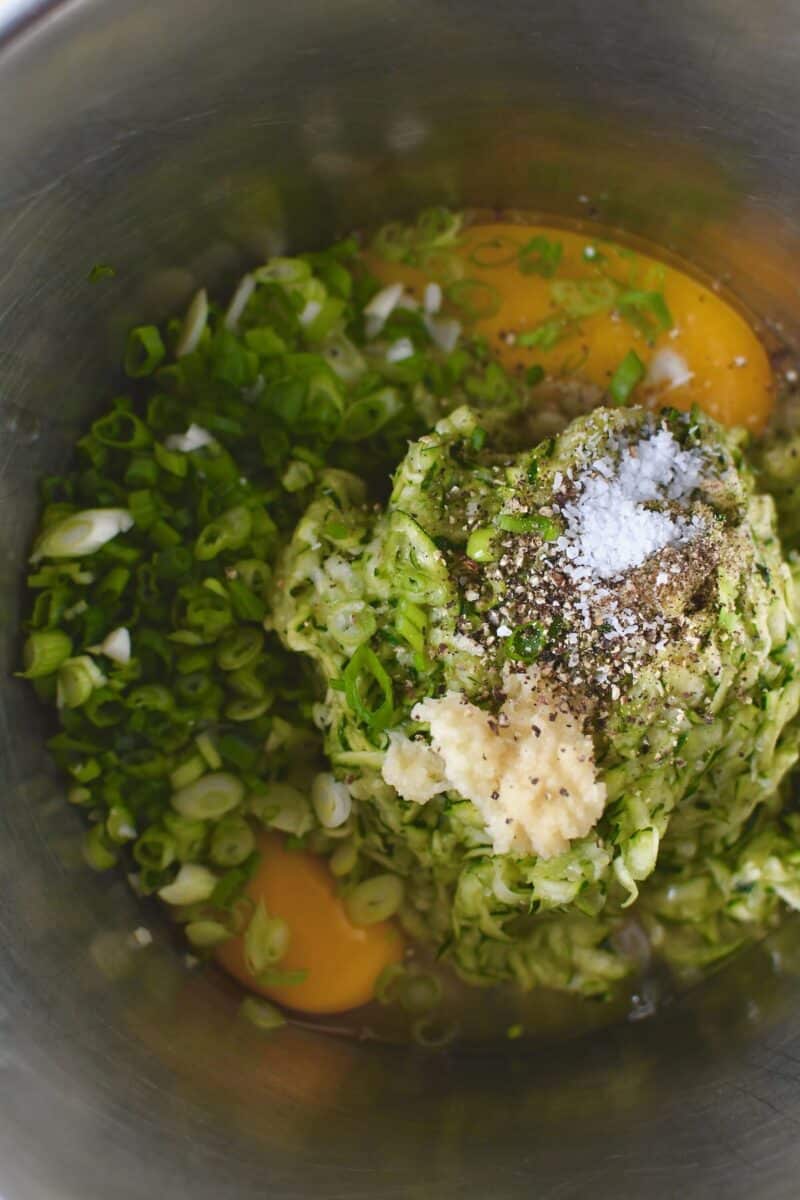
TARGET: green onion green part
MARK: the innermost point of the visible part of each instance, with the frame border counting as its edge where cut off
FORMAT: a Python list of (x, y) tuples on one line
[(628, 375)]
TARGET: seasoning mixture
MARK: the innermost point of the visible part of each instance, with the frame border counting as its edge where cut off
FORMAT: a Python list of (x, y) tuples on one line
[(431, 602)]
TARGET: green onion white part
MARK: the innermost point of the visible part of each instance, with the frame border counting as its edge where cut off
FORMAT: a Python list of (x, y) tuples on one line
[(191, 885), (194, 438), (194, 325), (82, 533)]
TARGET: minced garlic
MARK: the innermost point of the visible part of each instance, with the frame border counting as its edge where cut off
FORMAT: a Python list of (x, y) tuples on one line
[(529, 770)]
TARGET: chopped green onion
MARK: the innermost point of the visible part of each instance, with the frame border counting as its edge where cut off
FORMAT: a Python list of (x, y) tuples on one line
[(239, 301), (173, 461), (79, 795), (155, 849), (232, 842), (97, 851), (188, 772), (264, 1016), (85, 771), (477, 439), (527, 642), (82, 533), (101, 271), (209, 797), (104, 708), (44, 652), (112, 585), (188, 835), (151, 695), (547, 529), (238, 751), (546, 335), (204, 935), (628, 375), (275, 977), (298, 475), (583, 297), (243, 709), (418, 992), (393, 242), (375, 899), (266, 940), (479, 545), (370, 413), (246, 605), (283, 807), (647, 311), (194, 324), (192, 884), (534, 375), (122, 430), (387, 981), (117, 645), (254, 574), (230, 531), (119, 825), (77, 679), (437, 226), (283, 270), (433, 1033), (344, 858), (476, 298), (331, 800), (205, 745), (246, 682), (499, 251), (540, 256), (239, 647), (144, 351)]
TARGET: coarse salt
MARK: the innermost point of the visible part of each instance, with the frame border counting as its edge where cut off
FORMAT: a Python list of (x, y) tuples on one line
[(609, 527)]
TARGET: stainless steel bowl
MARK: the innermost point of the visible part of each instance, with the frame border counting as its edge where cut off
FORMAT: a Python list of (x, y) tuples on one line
[(179, 140)]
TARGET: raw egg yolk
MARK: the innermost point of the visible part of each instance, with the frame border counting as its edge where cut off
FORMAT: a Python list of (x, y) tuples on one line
[(342, 960), (723, 366)]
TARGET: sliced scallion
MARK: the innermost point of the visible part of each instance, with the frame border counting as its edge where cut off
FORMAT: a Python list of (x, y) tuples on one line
[(266, 940), (44, 652), (77, 679), (232, 842), (194, 325), (344, 858), (188, 772), (261, 1014), (375, 899), (498, 251), (476, 298), (630, 372), (204, 935), (331, 800), (192, 884), (209, 797), (82, 533), (98, 852), (283, 807), (547, 529), (144, 351)]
